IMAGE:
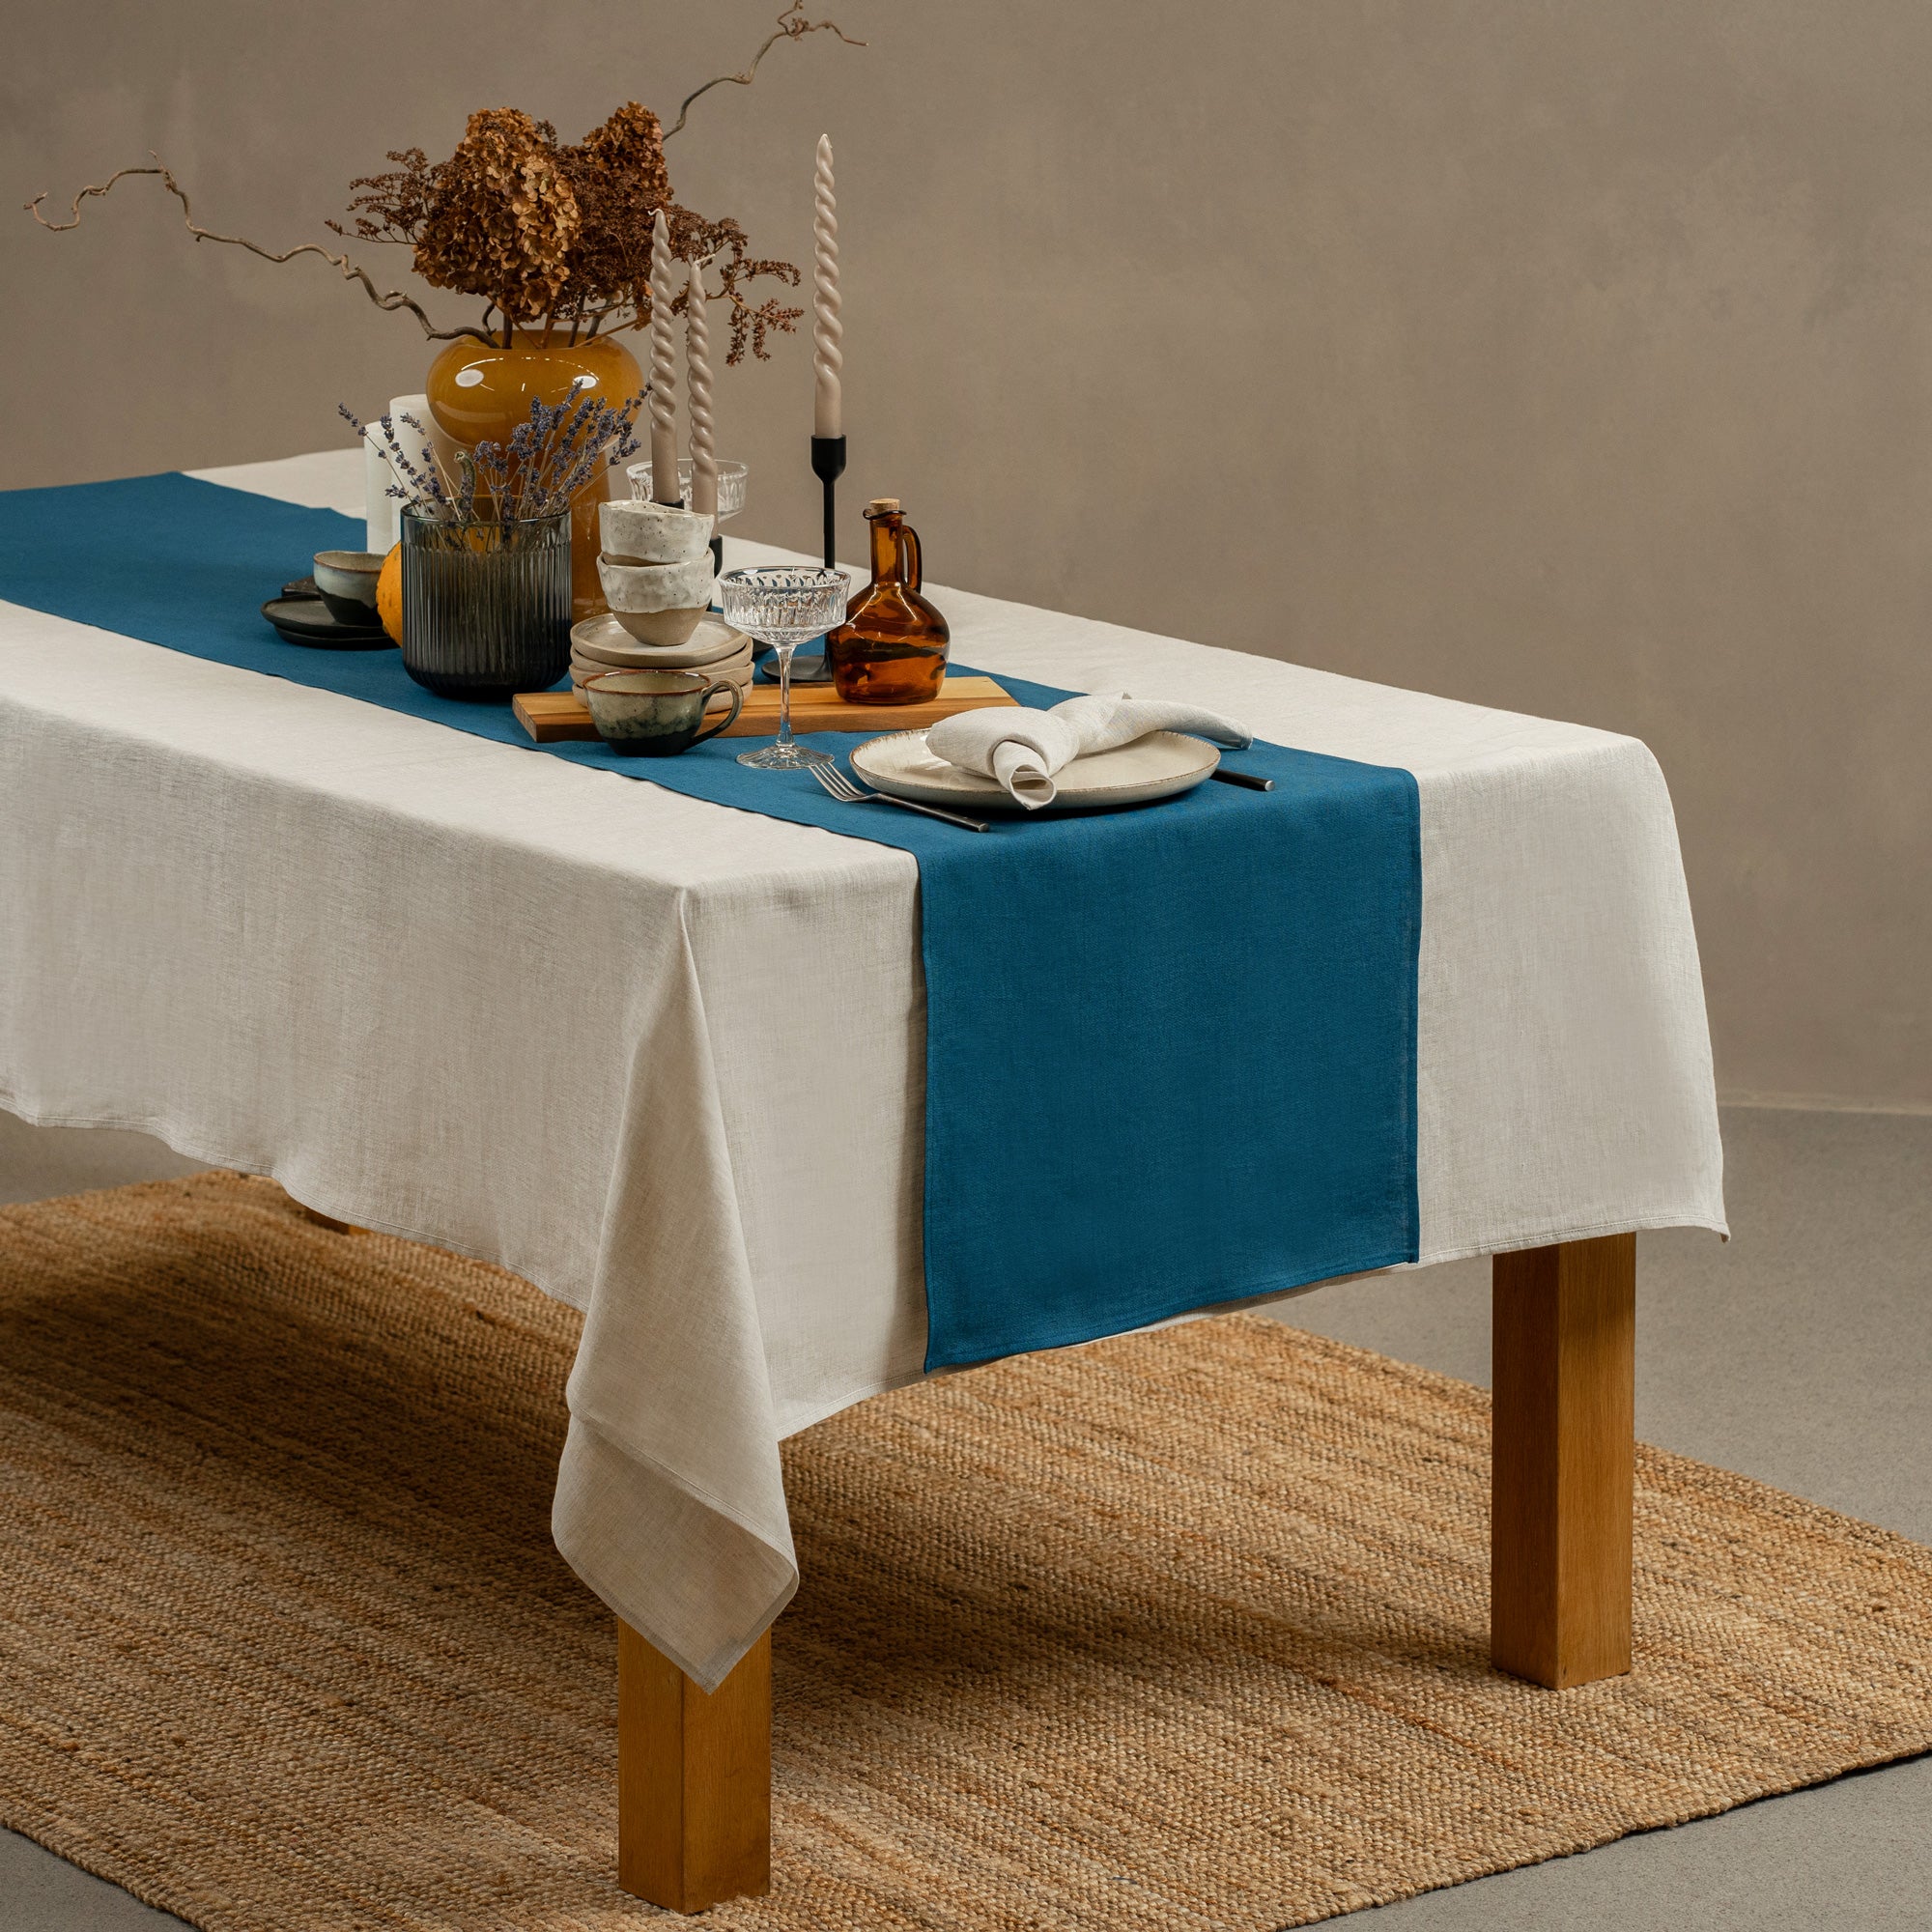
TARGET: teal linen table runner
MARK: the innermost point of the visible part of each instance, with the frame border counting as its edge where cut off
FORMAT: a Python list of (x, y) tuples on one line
[(1170, 1052)]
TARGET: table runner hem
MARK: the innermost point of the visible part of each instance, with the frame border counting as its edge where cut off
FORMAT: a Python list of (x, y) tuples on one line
[(1169, 1308)]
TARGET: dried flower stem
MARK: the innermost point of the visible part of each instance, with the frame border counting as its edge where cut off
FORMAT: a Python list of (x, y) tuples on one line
[(390, 300), (792, 26)]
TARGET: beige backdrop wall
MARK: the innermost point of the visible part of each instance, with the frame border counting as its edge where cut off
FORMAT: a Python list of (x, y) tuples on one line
[(1573, 358)]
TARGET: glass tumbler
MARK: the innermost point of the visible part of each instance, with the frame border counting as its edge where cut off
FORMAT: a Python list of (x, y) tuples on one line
[(486, 606)]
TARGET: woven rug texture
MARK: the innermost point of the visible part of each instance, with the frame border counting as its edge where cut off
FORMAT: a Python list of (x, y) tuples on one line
[(1177, 1631)]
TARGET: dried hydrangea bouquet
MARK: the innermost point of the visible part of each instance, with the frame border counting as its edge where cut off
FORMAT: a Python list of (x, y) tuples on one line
[(554, 237)]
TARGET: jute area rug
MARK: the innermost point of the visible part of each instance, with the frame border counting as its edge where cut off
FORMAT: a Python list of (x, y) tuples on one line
[(1181, 1631)]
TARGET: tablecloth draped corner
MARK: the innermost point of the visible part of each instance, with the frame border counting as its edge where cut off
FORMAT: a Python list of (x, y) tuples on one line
[(697, 1584), (673, 1436)]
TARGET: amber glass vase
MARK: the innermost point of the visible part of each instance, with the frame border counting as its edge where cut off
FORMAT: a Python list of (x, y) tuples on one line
[(891, 647), (479, 392)]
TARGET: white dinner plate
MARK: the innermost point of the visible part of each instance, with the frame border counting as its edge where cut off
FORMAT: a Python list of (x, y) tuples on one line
[(606, 642), (1160, 765)]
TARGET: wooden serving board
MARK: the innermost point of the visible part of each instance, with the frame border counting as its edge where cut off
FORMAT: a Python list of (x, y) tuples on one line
[(553, 716)]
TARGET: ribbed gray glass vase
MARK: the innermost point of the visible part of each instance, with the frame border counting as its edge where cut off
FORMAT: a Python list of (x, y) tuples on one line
[(486, 607)]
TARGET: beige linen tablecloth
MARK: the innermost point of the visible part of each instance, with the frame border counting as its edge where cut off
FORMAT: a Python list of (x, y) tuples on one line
[(663, 1058)]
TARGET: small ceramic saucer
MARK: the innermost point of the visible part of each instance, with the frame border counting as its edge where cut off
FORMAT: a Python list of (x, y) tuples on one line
[(603, 641), (305, 620), (728, 660)]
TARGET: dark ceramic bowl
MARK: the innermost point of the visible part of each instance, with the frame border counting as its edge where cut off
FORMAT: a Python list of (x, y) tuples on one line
[(345, 580)]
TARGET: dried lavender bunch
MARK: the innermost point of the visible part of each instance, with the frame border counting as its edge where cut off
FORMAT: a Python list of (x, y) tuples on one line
[(553, 455), (546, 461)]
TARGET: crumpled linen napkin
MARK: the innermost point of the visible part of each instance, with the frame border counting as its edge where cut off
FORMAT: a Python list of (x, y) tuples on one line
[(1022, 748)]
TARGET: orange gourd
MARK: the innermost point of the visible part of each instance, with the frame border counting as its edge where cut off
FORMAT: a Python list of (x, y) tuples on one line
[(389, 594)]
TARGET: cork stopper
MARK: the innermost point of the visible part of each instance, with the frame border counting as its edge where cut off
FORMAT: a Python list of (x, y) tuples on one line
[(881, 506)]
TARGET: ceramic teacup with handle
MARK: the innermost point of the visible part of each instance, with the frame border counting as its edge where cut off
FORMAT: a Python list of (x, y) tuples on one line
[(657, 714)]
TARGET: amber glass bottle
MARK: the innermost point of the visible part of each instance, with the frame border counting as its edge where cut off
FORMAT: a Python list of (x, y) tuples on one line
[(891, 647)]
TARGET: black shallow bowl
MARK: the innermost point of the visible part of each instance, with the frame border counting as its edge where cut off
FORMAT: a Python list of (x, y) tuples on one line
[(350, 611), (307, 621)]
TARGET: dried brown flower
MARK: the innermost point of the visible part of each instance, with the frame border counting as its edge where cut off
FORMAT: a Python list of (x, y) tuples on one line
[(545, 234), (505, 222), (723, 245), (618, 174), (561, 234)]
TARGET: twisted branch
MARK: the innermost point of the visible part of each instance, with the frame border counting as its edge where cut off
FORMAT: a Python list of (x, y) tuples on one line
[(390, 300), (792, 26)]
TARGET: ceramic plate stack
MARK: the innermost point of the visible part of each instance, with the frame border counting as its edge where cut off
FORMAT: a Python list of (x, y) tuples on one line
[(714, 648)]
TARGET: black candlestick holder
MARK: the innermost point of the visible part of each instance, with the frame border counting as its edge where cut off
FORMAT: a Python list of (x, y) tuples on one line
[(828, 464)]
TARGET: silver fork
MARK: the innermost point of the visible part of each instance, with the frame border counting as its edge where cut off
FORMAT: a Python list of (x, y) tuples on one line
[(847, 793)]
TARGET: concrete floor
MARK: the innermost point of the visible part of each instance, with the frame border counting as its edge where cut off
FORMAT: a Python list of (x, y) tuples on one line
[(1800, 1354)]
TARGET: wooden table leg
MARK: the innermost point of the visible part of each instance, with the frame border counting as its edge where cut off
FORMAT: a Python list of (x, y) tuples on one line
[(694, 1779), (1561, 1476)]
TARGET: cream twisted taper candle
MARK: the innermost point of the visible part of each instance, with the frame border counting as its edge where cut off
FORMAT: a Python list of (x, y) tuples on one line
[(664, 371), (698, 387), (828, 357)]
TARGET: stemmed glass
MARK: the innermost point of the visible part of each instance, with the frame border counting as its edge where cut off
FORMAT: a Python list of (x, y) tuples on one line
[(781, 605), (731, 481)]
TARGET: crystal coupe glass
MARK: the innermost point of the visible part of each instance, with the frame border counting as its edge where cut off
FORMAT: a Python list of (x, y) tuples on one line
[(781, 605), (731, 480)]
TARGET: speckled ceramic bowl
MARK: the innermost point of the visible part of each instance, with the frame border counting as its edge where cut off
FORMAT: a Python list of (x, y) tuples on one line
[(635, 532), (658, 603)]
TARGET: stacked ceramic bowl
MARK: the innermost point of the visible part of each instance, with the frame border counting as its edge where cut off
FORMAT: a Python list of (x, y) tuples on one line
[(656, 570), (657, 576)]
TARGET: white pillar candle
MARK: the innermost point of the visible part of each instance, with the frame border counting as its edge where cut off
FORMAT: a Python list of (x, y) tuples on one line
[(697, 386), (828, 357), (664, 395), (378, 507)]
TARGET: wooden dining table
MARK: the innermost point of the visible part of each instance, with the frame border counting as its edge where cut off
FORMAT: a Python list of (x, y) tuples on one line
[(466, 991)]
